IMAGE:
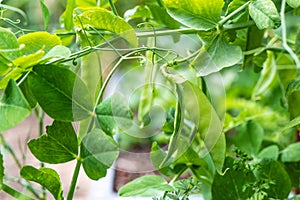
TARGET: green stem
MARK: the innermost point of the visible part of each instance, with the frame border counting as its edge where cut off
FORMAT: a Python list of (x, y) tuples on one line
[(112, 71), (203, 179), (139, 34), (177, 176), (41, 115), (284, 35), (16, 194), (74, 180), (166, 32), (10, 150), (113, 8), (228, 17)]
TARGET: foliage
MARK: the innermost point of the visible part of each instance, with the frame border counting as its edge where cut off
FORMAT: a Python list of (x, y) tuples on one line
[(225, 106)]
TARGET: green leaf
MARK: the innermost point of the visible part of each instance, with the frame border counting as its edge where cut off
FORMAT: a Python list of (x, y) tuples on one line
[(291, 153), (86, 3), (235, 4), (157, 155), (198, 14), (60, 92), (293, 169), (168, 126), (293, 96), (67, 16), (46, 177), (14, 73), (92, 77), (213, 56), (1, 171), (293, 86), (91, 3), (161, 16), (149, 185), (274, 171), (46, 14), (101, 18), (230, 185), (249, 137), (291, 124), (293, 3), (208, 124), (98, 151), (190, 158), (140, 11), (270, 152), (26, 90), (38, 41), (264, 14), (9, 47), (58, 145), (113, 114), (13, 107), (29, 60), (58, 51), (267, 77)]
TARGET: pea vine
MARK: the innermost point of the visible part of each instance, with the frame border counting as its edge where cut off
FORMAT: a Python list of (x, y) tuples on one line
[(225, 74)]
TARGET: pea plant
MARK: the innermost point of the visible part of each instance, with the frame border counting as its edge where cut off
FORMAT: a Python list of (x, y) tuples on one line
[(213, 85)]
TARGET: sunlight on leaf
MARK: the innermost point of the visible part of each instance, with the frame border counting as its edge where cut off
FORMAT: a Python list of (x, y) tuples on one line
[(198, 14), (101, 18), (27, 61), (38, 41)]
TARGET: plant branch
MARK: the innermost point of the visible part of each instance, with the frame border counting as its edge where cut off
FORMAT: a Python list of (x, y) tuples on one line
[(74, 180), (284, 35), (41, 125), (228, 17), (16, 194), (113, 8)]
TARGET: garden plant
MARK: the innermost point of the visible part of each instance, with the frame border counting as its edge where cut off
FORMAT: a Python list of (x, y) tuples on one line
[(213, 86)]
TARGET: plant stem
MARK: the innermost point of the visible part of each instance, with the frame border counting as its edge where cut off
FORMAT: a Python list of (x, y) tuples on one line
[(74, 180), (224, 20), (41, 115), (166, 32), (113, 8), (18, 195), (177, 176), (284, 36)]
